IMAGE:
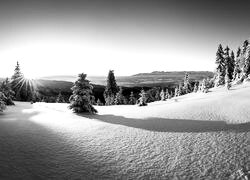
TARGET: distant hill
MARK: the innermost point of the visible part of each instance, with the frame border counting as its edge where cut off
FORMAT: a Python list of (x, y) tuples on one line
[(156, 78)]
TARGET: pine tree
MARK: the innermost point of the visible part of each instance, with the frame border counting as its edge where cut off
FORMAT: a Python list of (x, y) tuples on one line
[(60, 98), (80, 101), (143, 98), (186, 87), (2, 102), (167, 95), (229, 62), (111, 89), (157, 95), (220, 69), (227, 78), (176, 92), (119, 98), (180, 89), (196, 85), (162, 94), (5, 88), (16, 82), (246, 69), (132, 99), (204, 86)]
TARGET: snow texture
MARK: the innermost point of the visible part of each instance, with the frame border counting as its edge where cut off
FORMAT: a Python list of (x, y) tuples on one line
[(199, 136)]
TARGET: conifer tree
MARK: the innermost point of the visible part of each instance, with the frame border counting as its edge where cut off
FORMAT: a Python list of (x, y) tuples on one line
[(162, 94), (132, 99), (229, 62), (196, 85), (246, 69), (143, 98), (167, 95), (204, 86), (180, 89), (60, 98), (5, 88), (220, 67), (119, 98), (227, 78), (176, 92), (16, 83), (2, 102), (80, 101), (186, 87), (111, 89), (157, 95)]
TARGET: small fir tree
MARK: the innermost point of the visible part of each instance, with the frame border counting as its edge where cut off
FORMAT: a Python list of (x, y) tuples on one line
[(60, 98), (186, 87), (176, 92), (162, 94), (16, 83), (119, 98), (143, 98), (132, 99), (227, 78), (80, 101), (196, 86), (167, 95)]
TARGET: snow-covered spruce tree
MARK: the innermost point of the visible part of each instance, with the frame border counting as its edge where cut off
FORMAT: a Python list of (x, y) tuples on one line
[(176, 93), (227, 78), (167, 95), (60, 98), (162, 94), (2, 102), (204, 86), (132, 99), (246, 69), (220, 67), (16, 83), (157, 95), (143, 98), (180, 89), (237, 71), (229, 62), (119, 98), (5, 88), (111, 89), (196, 86), (80, 100), (186, 87)]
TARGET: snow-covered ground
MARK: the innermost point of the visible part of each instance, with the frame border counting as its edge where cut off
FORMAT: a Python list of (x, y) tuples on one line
[(204, 136)]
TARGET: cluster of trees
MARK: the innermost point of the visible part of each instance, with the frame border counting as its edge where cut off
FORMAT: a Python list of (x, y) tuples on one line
[(230, 68)]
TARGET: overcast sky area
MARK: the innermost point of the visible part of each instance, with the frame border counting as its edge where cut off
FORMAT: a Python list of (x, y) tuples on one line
[(69, 37)]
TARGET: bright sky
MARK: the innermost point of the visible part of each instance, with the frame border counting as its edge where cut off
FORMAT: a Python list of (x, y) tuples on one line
[(80, 36)]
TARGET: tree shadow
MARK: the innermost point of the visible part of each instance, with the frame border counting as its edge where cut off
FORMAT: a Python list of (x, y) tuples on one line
[(171, 125)]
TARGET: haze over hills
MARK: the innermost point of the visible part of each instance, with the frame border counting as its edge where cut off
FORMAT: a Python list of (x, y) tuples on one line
[(141, 79)]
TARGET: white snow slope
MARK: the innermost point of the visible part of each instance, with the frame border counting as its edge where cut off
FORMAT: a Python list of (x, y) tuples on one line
[(197, 136)]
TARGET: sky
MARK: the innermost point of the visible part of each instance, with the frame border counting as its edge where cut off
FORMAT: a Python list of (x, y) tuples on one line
[(68, 37)]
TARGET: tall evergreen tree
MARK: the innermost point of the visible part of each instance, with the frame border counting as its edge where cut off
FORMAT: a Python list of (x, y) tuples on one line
[(111, 89), (16, 82), (220, 67), (5, 88), (227, 78), (229, 62), (132, 99), (143, 98), (80, 101)]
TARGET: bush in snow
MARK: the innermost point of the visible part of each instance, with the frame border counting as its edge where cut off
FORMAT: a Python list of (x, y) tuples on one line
[(5, 88), (2, 102), (143, 98), (80, 101)]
